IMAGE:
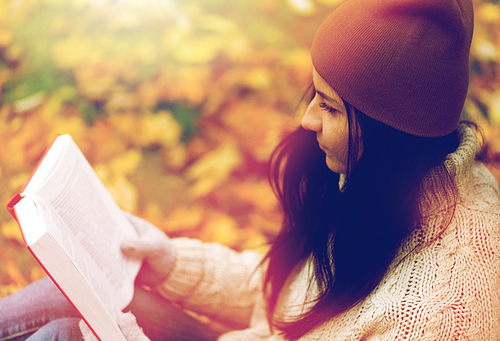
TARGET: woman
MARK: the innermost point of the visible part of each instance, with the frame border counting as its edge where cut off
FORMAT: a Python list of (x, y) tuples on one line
[(391, 227)]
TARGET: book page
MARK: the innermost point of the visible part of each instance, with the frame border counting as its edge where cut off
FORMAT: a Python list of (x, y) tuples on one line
[(67, 241), (81, 204), (95, 306), (47, 164)]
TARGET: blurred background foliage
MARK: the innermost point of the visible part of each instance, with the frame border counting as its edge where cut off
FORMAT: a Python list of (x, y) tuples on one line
[(177, 104)]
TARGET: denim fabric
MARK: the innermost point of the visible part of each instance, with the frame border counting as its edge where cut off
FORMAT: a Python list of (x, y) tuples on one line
[(40, 312), (61, 329)]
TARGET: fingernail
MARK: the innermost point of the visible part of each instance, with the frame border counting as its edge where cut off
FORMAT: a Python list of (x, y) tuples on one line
[(127, 247)]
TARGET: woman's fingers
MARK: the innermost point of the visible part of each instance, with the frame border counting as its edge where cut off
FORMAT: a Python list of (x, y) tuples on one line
[(154, 247), (130, 328)]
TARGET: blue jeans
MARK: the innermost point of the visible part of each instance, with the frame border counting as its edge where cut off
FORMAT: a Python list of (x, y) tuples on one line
[(40, 312)]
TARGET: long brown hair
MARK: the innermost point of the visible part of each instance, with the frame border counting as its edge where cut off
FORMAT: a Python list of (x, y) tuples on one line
[(349, 234)]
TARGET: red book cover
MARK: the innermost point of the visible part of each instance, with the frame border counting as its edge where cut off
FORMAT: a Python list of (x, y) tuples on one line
[(18, 197)]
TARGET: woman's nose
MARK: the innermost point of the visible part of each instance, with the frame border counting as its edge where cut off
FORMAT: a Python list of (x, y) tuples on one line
[(312, 119)]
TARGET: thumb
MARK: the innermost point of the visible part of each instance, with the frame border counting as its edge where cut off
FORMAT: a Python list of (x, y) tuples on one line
[(137, 248), (157, 251)]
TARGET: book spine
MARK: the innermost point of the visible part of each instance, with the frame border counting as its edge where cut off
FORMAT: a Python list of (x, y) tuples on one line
[(18, 196), (12, 203)]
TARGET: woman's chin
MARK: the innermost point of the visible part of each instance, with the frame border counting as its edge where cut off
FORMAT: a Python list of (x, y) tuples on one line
[(336, 166)]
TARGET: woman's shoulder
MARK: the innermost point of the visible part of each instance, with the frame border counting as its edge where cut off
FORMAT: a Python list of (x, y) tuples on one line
[(450, 275), (482, 193), (459, 225), (475, 218)]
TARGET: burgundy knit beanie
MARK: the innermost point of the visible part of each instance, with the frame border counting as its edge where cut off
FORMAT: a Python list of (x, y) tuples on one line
[(404, 63)]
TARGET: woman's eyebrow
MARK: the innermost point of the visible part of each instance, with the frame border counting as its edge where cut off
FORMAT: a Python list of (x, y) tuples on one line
[(325, 97)]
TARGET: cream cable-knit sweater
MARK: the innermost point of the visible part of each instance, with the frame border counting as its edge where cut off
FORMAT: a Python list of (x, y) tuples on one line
[(447, 288)]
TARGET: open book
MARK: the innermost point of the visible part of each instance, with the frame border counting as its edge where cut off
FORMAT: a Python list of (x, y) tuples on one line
[(74, 228)]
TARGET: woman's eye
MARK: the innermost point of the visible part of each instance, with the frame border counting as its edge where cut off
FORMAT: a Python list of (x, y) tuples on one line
[(327, 108)]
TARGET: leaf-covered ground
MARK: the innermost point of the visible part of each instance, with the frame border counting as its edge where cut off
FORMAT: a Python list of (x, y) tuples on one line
[(176, 104)]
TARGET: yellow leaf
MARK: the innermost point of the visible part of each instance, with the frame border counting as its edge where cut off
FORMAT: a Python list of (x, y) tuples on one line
[(186, 84), (489, 12), (146, 52), (5, 38), (492, 100), (124, 18), (51, 110), (148, 94), (36, 273), (222, 229), (258, 78), (184, 218), (298, 62), (213, 168), (268, 6), (304, 7), (259, 128), (258, 193), (218, 24), (17, 181), (13, 53), (5, 10), (126, 164), (153, 213), (73, 125), (128, 125), (124, 193), (174, 36), (96, 79), (10, 230), (107, 138), (15, 273), (269, 224), (160, 128), (198, 50), (475, 114), (9, 289), (120, 101), (103, 172), (176, 157), (331, 3), (237, 48), (24, 141), (484, 50), (72, 52)]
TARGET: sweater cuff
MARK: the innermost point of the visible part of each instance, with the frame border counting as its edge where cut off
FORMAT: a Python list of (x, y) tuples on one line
[(188, 270)]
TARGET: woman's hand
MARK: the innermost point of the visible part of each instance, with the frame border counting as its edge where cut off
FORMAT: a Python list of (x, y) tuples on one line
[(154, 247)]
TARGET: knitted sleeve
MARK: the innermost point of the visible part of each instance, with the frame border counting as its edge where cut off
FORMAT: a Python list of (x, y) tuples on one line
[(215, 280)]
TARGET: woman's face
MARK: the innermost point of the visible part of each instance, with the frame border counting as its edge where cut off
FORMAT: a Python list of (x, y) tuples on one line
[(327, 116)]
